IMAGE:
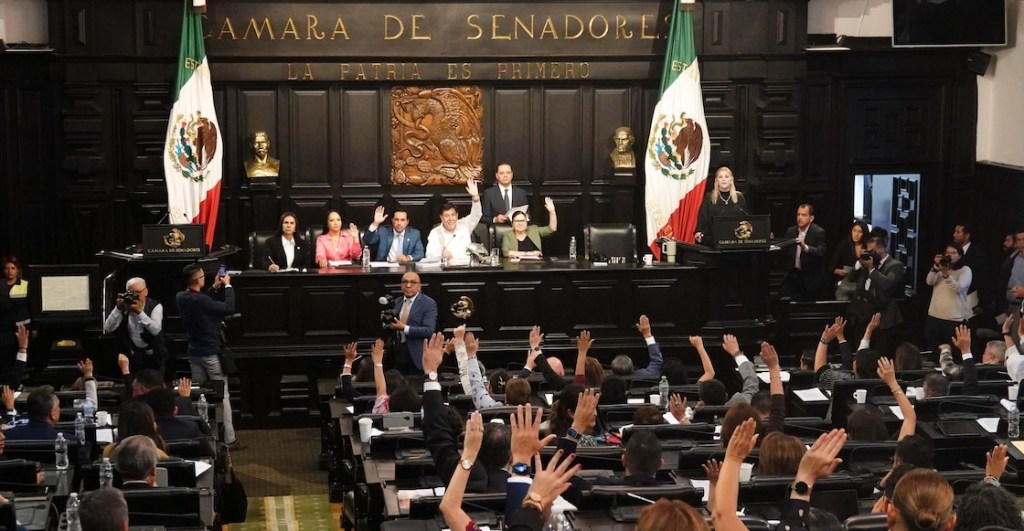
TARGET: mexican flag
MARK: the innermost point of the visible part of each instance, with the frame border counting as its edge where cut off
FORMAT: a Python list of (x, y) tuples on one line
[(192, 163), (679, 147)]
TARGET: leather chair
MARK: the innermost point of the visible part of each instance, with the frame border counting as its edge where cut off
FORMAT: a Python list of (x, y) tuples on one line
[(311, 234), (482, 234), (610, 239), (257, 243), (866, 522), (499, 233)]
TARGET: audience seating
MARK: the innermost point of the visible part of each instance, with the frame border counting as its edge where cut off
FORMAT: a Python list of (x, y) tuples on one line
[(168, 507), (867, 522)]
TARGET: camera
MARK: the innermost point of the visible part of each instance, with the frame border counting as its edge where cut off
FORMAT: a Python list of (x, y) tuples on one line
[(387, 311), (867, 254), (129, 297), (945, 261)]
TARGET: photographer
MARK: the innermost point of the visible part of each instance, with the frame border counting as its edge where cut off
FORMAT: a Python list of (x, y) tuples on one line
[(879, 280), (137, 321), (417, 318), (950, 279)]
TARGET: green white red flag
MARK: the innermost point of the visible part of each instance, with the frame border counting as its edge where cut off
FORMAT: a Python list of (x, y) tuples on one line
[(678, 147), (193, 157)]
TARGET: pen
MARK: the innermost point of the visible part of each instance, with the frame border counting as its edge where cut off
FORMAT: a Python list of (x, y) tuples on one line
[(272, 262)]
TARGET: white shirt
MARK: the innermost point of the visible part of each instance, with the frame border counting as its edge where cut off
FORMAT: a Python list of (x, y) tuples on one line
[(457, 242), (289, 251), (136, 323)]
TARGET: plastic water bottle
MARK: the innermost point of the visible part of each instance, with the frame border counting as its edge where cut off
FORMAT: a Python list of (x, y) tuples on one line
[(204, 408), (366, 258), (80, 427), (663, 391), (557, 522), (572, 248), (1013, 422), (60, 450), (74, 522), (89, 409), (106, 473)]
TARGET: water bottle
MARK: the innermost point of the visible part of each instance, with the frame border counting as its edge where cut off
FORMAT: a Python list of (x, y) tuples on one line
[(106, 473), (1013, 422), (74, 523), (204, 408), (572, 248), (663, 391), (89, 409), (557, 522), (80, 427), (60, 450), (366, 258)]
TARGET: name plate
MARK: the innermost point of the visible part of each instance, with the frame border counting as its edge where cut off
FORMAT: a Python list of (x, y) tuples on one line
[(742, 232), (173, 241)]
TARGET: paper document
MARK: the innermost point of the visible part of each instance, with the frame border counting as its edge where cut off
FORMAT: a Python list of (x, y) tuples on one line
[(384, 264), (702, 484), (202, 466), (338, 263), (766, 377), (517, 209), (635, 401), (896, 411), (989, 423), (811, 395)]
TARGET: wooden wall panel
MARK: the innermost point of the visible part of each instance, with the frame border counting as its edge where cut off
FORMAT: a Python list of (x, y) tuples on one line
[(565, 158), (612, 108), (362, 149), (148, 127), (511, 119), (893, 124), (26, 136), (309, 131)]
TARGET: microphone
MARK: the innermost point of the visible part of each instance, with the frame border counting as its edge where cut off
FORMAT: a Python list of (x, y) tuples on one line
[(386, 300)]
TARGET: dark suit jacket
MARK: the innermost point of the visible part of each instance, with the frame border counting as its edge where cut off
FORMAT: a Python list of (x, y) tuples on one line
[(274, 249), (412, 244), (445, 450), (886, 287), (172, 428), (975, 259), (812, 261), (136, 485), (493, 203), (33, 431), (422, 322)]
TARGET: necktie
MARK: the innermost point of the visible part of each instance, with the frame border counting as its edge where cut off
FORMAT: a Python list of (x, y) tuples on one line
[(406, 306), (508, 202), (799, 249)]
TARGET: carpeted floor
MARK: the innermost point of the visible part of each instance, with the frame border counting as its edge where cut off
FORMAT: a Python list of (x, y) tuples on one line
[(280, 463), (290, 513)]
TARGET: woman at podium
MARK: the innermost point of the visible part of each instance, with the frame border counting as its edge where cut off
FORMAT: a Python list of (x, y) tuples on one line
[(724, 200)]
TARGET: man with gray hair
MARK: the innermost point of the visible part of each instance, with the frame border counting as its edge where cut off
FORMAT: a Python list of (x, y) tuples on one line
[(135, 459), (622, 364), (137, 322), (103, 510)]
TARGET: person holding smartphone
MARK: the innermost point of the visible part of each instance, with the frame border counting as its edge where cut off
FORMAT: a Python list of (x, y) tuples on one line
[(202, 313)]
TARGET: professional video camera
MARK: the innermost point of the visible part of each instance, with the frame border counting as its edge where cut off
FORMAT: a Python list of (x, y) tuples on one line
[(387, 311)]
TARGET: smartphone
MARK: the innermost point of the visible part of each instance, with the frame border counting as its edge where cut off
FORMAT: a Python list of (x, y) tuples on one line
[(223, 269)]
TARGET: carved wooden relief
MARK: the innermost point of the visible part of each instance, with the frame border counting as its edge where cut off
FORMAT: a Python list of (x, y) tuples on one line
[(436, 135)]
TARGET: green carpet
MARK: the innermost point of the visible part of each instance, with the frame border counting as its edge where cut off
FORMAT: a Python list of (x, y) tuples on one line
[(290, 513)]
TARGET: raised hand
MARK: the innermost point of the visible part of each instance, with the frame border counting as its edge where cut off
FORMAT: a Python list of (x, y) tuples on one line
[(472, 189), (22, 334), (535, 337), (711, 469), (459, 332), (697, 341), (644, 326), (184, 387), (743, 441), (995, 461), (378, 351), (551, 482), (677, 406), (433, 352), (353, 230), (85, 366), (472, 345), (7, 397), (821, 459), (769, 355), (474, 436), (526, 434), (549, 204), (585, 416), (379, 216), (350, 353), (875, 321), (829, 333), (122, 363), (730, 344), (583, 343), (840, 325), (962, 338), (886, 372)]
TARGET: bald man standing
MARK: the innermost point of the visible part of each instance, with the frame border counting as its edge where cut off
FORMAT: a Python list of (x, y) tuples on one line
[(417, 319)]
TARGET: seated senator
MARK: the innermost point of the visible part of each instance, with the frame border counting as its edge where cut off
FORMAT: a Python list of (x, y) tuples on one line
[(524, 239), (335, 245), (43, 408), (286, 249), (397, 242)]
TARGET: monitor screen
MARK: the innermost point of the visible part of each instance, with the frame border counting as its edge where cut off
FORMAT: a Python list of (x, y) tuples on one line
[(948, 23)]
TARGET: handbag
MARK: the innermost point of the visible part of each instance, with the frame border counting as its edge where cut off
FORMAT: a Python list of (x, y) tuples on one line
[(230, 499)]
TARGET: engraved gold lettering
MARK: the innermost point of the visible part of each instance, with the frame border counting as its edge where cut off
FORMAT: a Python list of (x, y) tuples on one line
[(517, 71), (528, 30), (494, 29), (376, 70), (416, 19), (339, 29), (542, 70), (620, 28), (308, 73), (471, 22), (362, 72), (569, 71), (291, 75), (556, 72), (549, 28), (603, 21), (311, 32), (644, 26), (289, 28), (502, 69), (391, 73), (387, 25), (457, 71), (345, 68), (584, 70), (258, 30), (415, 71), (579, 27), (226, 27)]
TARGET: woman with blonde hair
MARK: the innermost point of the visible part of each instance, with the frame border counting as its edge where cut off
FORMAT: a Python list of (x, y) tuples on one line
[(723, 200), (670, 515), (921, 501)]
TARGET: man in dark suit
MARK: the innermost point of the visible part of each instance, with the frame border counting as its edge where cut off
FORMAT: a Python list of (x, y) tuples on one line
[(173, 428), (397, 242), (502, 197), (43, 409), (974, 257), (806, 259), (136, 460), (879, 285), (417, 317)]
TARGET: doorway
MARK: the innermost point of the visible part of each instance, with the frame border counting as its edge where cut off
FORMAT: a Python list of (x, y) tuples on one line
[(892, 202)]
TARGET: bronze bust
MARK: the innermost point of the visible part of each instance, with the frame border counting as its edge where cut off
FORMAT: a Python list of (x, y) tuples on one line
[(261, 164), (622, 156)]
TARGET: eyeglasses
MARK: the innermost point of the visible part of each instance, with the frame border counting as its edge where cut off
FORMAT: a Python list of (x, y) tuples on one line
[(519, 220), (410, 282)]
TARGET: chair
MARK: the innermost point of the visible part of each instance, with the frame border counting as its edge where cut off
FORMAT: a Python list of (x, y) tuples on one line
[(483, 235), (610, 239), (867, 522), (619, 495), (164, 506), (19, 475), (257, 244), (312, 232), (698, 431), (499, 233)]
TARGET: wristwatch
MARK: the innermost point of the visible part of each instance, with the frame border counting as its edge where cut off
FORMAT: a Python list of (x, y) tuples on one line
[(466, 464), (432, 376), (801, 488), (534, 499), (521, 469), (572, 433)]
